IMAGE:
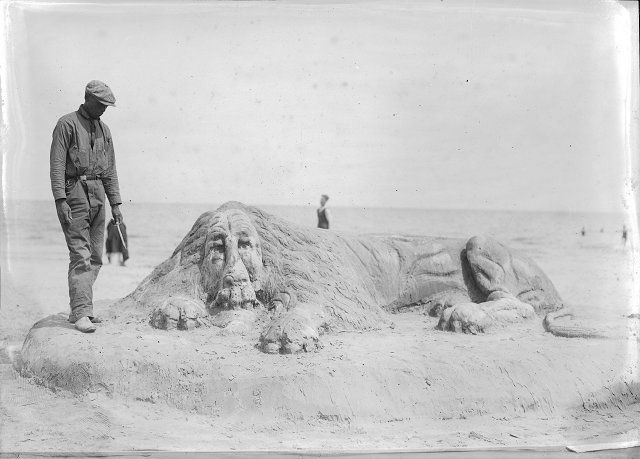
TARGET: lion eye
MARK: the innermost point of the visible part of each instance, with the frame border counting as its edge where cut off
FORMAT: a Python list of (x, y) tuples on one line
[(217, 245), (244, 243)]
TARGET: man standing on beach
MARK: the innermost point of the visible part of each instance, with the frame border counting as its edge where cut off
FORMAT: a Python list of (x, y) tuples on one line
[(83, 169)]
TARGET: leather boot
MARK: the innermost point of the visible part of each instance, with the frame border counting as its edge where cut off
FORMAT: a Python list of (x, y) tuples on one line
[(85, 325)]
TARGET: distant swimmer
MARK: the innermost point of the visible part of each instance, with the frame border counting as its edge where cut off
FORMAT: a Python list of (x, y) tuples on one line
[(583, 231), (323, 213), (624, 234)]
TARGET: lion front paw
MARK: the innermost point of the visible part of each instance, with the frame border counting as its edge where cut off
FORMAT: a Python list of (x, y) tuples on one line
[(178, 313), (291, 333)]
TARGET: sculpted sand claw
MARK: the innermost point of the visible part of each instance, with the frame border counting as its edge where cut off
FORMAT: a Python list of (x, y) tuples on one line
[(303, 281), (291, 333), (435, 305), (478, 318), (179, 313)]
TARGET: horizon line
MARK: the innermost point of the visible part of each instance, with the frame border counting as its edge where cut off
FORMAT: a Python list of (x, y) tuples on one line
[(459, 209)]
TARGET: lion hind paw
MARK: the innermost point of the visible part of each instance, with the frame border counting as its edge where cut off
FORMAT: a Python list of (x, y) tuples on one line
[(464, 318), (474, 318)]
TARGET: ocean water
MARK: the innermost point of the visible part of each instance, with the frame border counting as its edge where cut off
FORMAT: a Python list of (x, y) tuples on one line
[(592, 270), (156, 228)]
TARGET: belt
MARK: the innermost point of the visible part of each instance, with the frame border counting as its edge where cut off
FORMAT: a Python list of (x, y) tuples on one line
[(85, 178)]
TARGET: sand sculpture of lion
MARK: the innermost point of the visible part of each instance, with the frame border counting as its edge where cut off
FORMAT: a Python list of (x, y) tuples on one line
[(240, 267)]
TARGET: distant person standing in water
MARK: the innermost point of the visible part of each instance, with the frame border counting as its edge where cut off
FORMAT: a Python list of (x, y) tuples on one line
[(624, 234), (323, 213), (115, 244), (583, 231)]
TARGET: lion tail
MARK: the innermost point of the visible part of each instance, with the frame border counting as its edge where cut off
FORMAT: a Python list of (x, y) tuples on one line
[(551, 325)]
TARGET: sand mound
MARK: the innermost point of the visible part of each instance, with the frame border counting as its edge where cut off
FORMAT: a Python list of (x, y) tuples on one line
[(410, 371), (190, 337)]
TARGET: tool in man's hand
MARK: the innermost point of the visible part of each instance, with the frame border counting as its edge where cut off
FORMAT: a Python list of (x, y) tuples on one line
[(124, 244)]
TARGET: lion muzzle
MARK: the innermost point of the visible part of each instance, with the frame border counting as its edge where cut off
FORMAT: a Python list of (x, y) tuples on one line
[(236, 296)]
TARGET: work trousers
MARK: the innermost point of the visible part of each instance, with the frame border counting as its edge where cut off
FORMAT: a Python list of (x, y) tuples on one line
[(85, 240)]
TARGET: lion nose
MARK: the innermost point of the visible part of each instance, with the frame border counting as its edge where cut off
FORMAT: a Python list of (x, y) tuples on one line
[(227, 281)]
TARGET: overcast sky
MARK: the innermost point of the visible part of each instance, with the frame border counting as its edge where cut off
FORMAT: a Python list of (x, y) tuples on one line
[(498, 105)]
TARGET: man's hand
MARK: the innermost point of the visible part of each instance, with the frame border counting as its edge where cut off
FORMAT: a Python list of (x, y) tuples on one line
[(117, 215), (64, 211)]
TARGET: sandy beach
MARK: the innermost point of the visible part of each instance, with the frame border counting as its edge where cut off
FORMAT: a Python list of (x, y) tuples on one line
[(593, 272), (481, 163)]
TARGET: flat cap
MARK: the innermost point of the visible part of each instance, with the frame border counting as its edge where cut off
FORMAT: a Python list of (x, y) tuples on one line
[(100, 91)]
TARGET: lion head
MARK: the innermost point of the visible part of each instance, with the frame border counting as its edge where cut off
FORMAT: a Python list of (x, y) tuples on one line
[(238, 256), (231, 264)]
